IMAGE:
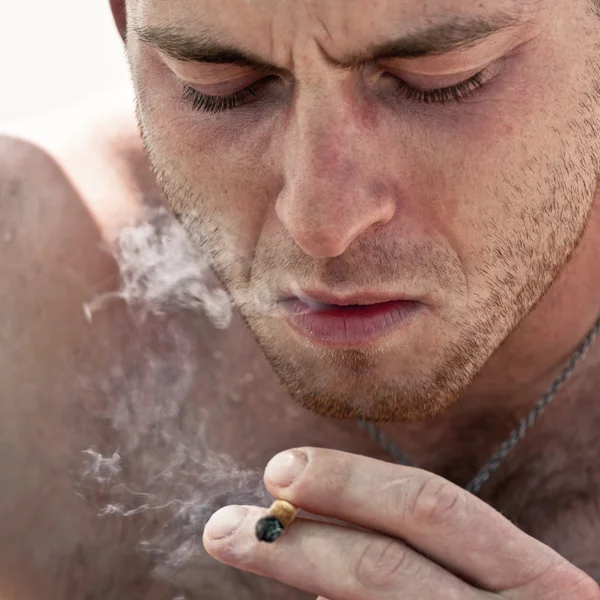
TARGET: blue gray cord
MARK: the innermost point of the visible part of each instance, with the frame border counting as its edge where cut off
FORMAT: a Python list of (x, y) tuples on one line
[(474, 486)]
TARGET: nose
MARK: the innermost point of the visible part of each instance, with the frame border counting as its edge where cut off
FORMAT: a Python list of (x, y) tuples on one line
[(335, 188)]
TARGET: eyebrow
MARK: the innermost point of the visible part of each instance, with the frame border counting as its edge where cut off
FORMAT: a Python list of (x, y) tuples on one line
[(453, 34)]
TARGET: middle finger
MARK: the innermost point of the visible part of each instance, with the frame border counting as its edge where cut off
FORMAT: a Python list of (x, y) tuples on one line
[(334, 561), (431, 514)]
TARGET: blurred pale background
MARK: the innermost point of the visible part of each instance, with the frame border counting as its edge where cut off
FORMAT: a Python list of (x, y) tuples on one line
[(54, 52)]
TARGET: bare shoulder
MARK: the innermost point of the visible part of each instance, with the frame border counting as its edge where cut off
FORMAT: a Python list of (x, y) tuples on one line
[(71, 179), (69, 386), (68, 184), (54, 260), (43, 215), (53, 238), (50, 259), (50, 252)]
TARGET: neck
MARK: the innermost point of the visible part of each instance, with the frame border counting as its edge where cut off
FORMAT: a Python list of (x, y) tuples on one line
[(458, 442)]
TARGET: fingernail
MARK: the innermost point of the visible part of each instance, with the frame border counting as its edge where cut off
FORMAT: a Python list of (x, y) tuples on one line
[(225, 522), (284, 468)]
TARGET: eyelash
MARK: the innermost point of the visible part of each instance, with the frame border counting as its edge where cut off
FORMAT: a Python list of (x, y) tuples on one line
[(453, 93), (217, 104)]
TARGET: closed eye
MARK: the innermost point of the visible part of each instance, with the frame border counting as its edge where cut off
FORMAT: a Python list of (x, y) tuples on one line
[(216, 104), (453, 93), (212, 104)]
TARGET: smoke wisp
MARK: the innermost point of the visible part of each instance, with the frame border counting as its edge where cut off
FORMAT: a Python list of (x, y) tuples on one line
[(155, 464)]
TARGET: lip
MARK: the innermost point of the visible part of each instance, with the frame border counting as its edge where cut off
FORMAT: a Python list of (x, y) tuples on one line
[(360, 299), (351, 321)]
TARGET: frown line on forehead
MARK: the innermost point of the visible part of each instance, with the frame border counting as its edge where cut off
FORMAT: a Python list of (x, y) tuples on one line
[(212, 43)]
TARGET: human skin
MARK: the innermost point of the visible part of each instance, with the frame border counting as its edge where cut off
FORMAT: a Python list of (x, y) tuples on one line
[(484, 210), (52, 543), (332, 179), (58, 221), (68, 187), (421, 537)]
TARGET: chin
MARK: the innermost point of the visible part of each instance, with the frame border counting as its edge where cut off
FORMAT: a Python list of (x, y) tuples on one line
[(354, 384)]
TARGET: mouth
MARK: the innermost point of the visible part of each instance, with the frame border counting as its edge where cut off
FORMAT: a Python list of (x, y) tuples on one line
[(349, 321)]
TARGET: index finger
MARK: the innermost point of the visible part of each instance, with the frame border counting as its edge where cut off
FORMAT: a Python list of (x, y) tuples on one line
[(437, 518)]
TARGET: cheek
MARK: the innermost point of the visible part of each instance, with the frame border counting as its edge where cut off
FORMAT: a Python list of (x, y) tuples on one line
[(467, 176), (225, 163)]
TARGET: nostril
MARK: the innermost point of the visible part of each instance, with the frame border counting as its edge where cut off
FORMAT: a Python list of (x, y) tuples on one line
[(324, 216)]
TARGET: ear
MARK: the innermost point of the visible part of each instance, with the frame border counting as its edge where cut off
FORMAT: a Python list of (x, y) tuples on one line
[(120, 16)]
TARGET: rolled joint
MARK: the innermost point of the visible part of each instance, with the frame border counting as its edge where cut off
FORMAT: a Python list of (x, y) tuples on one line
[(270, 527)]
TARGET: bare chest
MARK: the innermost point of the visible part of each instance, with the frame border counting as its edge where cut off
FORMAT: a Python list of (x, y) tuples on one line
[(239, 416), (550, 488)]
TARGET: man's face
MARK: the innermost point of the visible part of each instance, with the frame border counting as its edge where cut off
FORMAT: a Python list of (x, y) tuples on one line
[(442, 152)]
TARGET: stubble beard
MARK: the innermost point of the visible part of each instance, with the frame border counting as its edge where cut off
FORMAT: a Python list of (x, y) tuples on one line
[(518, 272)]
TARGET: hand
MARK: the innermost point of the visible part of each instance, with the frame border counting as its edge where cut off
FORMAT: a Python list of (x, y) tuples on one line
[(420, 537)]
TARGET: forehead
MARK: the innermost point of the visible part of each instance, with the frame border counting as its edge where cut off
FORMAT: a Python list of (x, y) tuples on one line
[(273, 22), (336, 9)]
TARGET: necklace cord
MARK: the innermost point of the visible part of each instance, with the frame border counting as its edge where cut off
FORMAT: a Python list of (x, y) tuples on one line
[(474, 486)]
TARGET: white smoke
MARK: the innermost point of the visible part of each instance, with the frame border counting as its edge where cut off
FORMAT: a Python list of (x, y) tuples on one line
[(161, 272), (155, 460)]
